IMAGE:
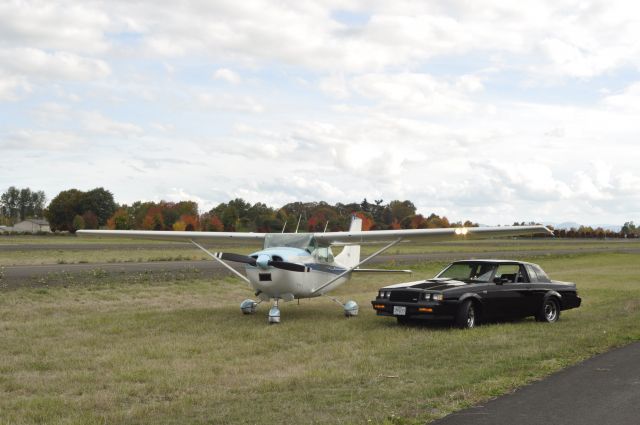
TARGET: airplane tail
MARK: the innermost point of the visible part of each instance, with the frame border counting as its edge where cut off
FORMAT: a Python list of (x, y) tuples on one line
[(350, 255)]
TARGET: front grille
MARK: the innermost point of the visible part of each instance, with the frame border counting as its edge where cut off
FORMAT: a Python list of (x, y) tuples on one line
[(406, 296)]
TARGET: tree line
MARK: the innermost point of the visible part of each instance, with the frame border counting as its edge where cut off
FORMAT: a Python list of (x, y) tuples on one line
[(74, 209), (239, 215)]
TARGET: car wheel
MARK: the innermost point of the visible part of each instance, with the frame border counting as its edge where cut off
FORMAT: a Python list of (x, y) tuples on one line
[(467, 315), (549, 311)]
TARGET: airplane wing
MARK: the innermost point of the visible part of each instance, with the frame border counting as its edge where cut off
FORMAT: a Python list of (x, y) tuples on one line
[(217, 238), (426, 235), (328, 238)]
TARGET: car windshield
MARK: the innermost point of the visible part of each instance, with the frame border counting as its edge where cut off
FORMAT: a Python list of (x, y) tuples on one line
[(468, 272)]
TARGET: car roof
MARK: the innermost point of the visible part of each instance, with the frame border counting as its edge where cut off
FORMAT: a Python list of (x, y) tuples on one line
[(492, 261)]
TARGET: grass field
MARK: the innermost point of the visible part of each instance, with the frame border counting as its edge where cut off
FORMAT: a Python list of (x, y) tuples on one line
[(178, 351), (72, 250)]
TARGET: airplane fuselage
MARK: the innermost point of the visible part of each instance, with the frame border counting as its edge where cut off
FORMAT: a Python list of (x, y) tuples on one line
[(270, 282)]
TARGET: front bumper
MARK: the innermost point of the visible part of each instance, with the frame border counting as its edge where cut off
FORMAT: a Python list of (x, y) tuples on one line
[(442, 310)]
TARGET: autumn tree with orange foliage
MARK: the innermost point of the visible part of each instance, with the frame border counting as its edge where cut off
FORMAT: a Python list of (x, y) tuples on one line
[(153, 220), (187, 223), (367, 220)]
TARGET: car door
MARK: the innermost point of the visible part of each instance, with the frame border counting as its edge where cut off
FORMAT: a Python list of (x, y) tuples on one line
[(511, 292)]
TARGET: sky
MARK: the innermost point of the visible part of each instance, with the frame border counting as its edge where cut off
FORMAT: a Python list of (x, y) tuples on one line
[(492, 111)]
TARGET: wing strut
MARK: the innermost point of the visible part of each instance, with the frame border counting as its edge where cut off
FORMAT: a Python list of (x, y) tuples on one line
[(375, 254), (234, 271)]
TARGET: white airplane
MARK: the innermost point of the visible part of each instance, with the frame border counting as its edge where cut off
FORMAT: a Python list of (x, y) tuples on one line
[(301, 265)]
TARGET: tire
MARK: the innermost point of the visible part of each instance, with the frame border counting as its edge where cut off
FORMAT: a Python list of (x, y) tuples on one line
[(549, 310), (467, 315)]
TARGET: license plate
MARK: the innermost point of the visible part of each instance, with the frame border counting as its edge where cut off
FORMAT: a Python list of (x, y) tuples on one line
[(399, 310)]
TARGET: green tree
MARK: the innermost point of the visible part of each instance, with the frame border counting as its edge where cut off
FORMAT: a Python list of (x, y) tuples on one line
[(63, 209), (100, 201), (629, 229), (19, 204), (78, 223), (121, 219), (9, 203)]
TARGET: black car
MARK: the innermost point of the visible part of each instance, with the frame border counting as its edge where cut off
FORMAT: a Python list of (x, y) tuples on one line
[(469, 291)]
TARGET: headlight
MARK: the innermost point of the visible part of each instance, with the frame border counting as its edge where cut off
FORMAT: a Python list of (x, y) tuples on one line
[(437, 297), (380, 294), (426, 296), (387, 294)]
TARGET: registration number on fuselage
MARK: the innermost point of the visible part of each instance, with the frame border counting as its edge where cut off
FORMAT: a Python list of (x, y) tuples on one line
[(399, 310)]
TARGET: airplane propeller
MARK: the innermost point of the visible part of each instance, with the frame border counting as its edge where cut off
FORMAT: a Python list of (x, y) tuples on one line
[(245, 259)]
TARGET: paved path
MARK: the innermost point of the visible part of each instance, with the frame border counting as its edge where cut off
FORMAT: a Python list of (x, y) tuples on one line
[(603, 390)]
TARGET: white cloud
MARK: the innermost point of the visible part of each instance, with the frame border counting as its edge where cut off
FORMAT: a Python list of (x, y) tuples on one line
[(13, 87), (58, 65), (99, 124), (417, 93), (627, 101), (40, 140), (227, 75), (335, 85), (228, 102), (60, 25)]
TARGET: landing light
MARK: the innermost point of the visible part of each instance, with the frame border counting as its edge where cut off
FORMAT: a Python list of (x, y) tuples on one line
[(461, 231)]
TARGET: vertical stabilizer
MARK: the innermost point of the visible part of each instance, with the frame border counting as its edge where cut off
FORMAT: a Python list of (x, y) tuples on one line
[(350, 255)]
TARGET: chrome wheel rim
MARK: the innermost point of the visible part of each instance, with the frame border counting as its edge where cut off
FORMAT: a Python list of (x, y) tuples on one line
[(471, 317), (550, 311)]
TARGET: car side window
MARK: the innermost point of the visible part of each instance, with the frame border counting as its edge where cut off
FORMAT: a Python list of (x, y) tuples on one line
[(542, 276), (508, 273), (533, 276)]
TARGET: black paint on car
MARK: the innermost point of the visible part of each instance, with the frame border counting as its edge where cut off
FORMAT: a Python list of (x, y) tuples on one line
[(467, 292)]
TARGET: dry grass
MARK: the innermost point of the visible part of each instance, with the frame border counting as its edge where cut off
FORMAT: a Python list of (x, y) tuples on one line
[(179, 351), (74, 250)]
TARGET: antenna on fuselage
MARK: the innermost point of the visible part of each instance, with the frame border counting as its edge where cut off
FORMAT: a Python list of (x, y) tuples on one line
[(298, 226), (284, 227)]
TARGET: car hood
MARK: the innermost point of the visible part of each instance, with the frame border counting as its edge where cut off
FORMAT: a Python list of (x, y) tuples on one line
[(438, 284)]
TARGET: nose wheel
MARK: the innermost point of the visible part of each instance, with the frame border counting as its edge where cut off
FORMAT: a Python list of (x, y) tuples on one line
[(274, 313)]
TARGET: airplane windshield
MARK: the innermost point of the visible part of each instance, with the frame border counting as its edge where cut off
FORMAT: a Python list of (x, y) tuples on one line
[(304, 241)]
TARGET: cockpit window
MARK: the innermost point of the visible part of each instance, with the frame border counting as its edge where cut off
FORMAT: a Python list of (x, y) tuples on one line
[(304, 241), (324, 254)]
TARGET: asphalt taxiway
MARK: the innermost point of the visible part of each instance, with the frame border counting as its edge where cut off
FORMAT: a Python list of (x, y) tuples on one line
[(602, 390)]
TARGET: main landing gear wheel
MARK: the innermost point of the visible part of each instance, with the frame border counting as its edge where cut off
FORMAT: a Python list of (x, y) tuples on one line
[(248, 306), (351, 309), (467, 315), (549, 311)]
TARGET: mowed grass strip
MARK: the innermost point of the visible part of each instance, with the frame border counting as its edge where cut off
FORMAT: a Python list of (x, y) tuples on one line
[(74, 250), (180, 352)]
